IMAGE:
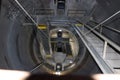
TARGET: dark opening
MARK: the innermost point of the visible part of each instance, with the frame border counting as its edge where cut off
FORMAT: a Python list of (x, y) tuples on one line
[(59, 47), (59, 34), (61, 4)]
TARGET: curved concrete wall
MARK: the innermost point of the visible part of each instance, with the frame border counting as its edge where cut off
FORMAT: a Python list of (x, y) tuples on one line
[(16, 40)]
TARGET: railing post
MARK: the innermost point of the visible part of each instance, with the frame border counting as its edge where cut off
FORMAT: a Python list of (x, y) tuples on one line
[(105, 49)]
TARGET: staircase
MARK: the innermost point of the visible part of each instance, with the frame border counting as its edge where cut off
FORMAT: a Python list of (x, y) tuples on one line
[(104, 51)]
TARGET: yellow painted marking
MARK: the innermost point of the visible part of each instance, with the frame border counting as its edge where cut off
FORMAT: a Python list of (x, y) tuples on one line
[(42, 26), (48, 56), (78, 25)]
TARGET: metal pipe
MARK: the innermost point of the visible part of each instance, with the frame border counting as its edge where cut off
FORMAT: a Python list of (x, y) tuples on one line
[(103, 21)]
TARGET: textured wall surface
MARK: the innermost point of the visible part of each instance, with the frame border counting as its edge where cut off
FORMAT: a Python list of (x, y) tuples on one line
[(16, 39)]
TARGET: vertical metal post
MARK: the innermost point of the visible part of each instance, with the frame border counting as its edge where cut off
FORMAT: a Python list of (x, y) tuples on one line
[(55, 7), (105, 49), (49, 41), (66, 7)]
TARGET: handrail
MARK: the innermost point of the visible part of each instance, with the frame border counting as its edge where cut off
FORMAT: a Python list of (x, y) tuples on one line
[(46, 11), (99, 60), (115, 30), (74, 11), (104, 38), (101, 36), (104, 21), (71, 12)]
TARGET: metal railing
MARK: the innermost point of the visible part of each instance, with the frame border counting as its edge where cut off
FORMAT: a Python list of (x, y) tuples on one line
[(107, 43), (99, 60), (106, 40), (104, 21), (44, 11), (103, 26), (77, 13)]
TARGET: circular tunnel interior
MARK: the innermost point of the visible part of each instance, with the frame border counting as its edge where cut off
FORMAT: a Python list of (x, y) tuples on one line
[(22, 44), (25, 51)]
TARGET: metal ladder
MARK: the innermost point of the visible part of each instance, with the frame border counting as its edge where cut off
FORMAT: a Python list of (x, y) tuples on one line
[(104, 51)]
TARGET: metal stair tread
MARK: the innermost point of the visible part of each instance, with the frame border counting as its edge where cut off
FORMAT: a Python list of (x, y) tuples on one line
[(114, 63), (112, 56)]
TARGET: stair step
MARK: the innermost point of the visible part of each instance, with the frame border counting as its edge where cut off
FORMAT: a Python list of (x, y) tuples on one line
[(114, 63), (112, 58)]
